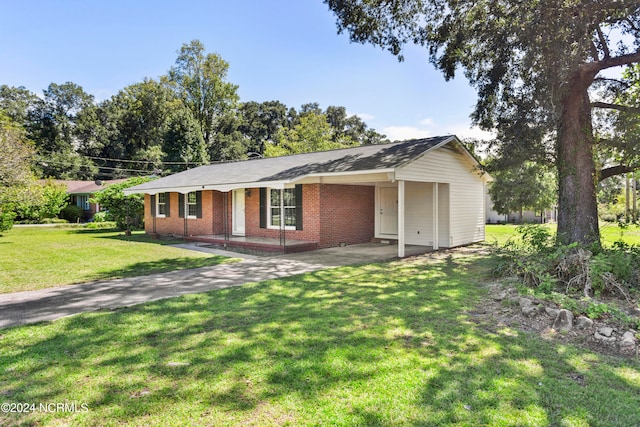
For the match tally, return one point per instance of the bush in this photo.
(123, 208)
(102, 216)
(6, 220)
(547, 267)
(72, 213)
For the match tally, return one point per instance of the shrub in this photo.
(72, 213)
(123, 208)
(101, 225)
(6, 220)
(102, 216)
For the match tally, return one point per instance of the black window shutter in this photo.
(263, 207)
(167, 204)
(181, 205)
(153, 205)
(298, 193)
(198, 204)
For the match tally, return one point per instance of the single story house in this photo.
(426, 192)
(81, 191)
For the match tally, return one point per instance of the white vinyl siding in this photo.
(418, 211)
(466, 192)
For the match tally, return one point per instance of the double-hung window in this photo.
(282, 210)
(161, 204)
(192, 205)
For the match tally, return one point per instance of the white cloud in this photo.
(400, 133)
(428, 127)
(363, 116)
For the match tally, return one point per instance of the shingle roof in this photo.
(286, 168)
(87, 187)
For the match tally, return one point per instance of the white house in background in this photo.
(531, 217)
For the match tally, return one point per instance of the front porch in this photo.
(254, 244)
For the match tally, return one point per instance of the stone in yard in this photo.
(500, 296)
(605, 331)
(530, 310)
(564, 321)
(628, 339)
(603, 338)
(524, 302)
(552, 312)
(583, 322)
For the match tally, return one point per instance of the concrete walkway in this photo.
(49, 304)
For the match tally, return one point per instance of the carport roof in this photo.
(287, 169)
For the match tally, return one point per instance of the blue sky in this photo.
(286, 50)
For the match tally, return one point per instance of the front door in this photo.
(238, 212)
(389, 210)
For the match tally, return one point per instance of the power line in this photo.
(60, 163)
(136, 161)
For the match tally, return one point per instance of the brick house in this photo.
(80, 193)
(427, 192)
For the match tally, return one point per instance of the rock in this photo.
(500, 296)
(583, 322)
(524, 302)
(530, 310)
(605, 331)
(564, 321)
(636, 311)
(514, 299)
(628, 339)
(552, 312)
(603, 338)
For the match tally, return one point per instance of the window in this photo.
(192, 205)
(289, 202)
(161, 204)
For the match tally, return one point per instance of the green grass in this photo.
(43, 257)
(377, 345)
(608, 231)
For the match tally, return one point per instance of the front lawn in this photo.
(383, 344)
(610, 233)
(42, 257)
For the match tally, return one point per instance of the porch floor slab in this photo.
(254, 244)
(355, 254)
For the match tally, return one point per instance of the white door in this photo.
(238, 212)
(388, 210)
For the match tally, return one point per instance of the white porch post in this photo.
(436, 237)
(400, 219)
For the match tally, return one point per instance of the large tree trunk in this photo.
(577, 207)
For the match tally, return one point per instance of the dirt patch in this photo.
(502, 307)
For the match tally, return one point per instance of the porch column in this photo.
(436, 237)
(400, 219)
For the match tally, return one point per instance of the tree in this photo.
(532, 63)
(126, 210)
(260, 122)
(199, 79)
(313, 133)
(16, 153)
(45, 200)
(528, 186)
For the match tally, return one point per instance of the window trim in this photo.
(158, 214)
(188, 204)
(269, 206)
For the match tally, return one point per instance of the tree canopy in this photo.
(534, 66)
(188, 117)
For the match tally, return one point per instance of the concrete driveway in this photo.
(50, 304)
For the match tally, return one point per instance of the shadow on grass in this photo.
(384, 344)
(159, 266)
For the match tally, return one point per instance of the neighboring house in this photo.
(528, 217)
(81, 191)
(426, 192)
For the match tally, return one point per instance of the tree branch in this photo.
(603, 42)
(614, 170)
(616, 61)
(608, 106)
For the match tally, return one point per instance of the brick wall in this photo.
(310, 210)
(332, 214)
(346, 214)
(174, 225)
